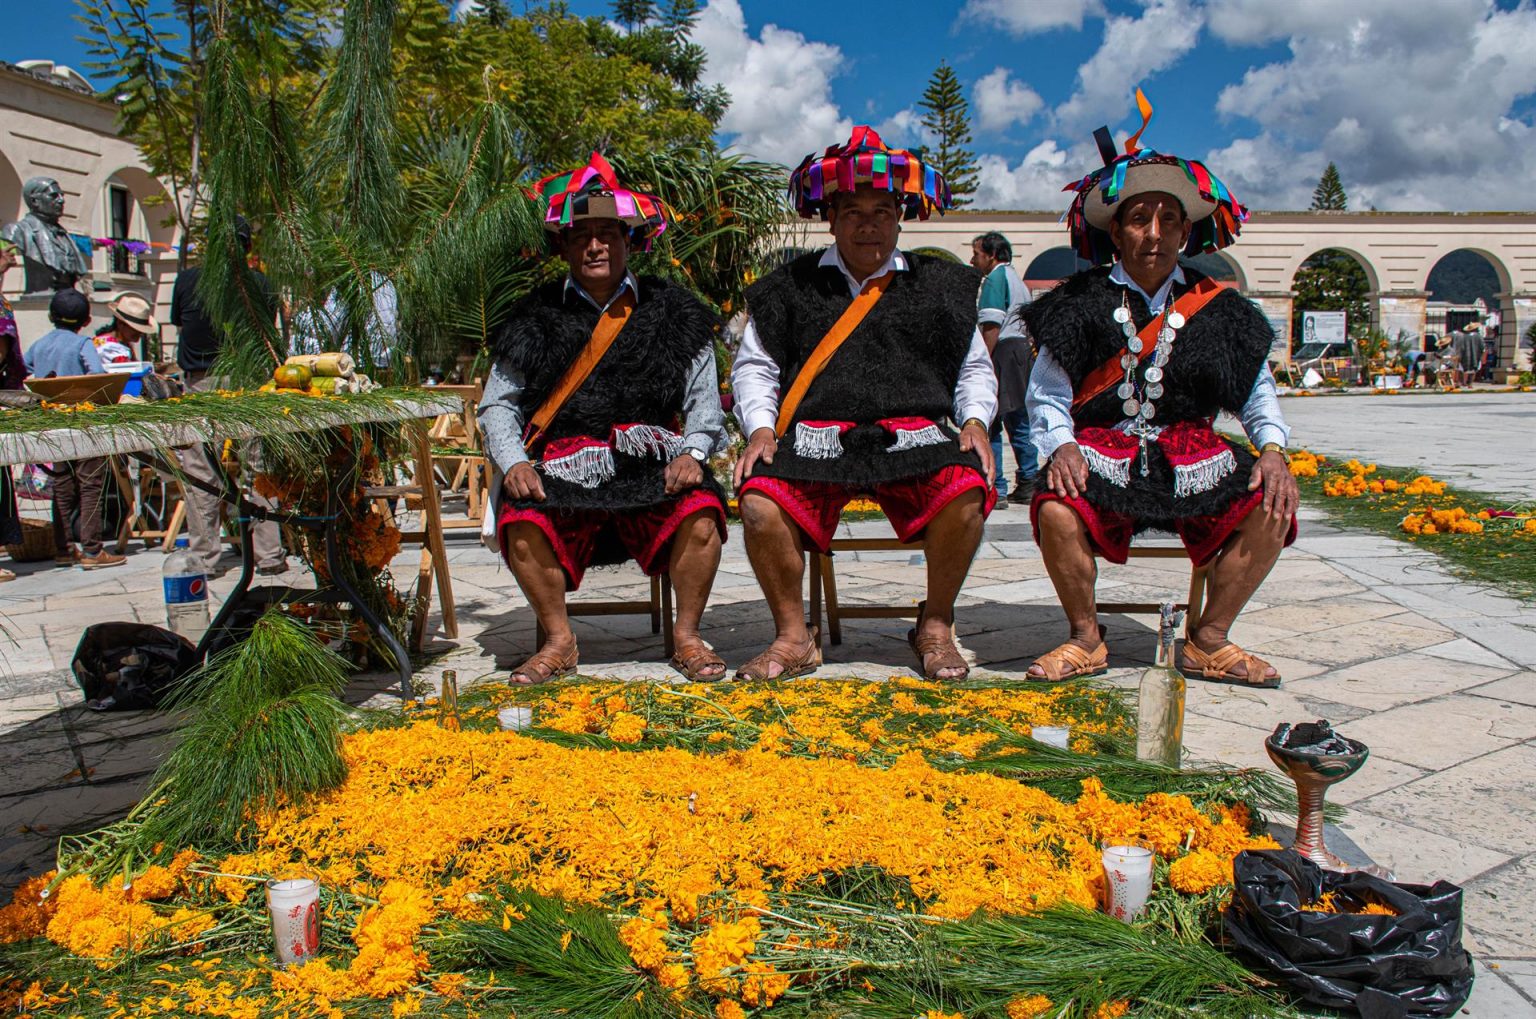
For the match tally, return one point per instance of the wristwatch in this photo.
(698, 454)
(1275, 447)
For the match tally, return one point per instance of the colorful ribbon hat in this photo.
(593, 192)
(866, 161)
(1216, 214)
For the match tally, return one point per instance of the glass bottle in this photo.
(448, 703)
(1160, 702)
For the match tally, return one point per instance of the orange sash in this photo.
(846, 323)
(1109, 374)
(603, 335)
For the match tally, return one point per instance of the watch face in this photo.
(697, 454)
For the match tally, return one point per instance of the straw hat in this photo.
(594, 192)
(866, 161)
(135, 312)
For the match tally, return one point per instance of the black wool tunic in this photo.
(903, 360)
(642, 379)
(1216, 359)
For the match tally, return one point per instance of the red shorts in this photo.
(817, 506)
(646, 534)
(1110, 533)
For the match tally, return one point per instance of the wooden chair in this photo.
(823, 577)
(422, 490)
(658, 606)
(466, 469)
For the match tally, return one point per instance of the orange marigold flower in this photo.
(1032, 1007)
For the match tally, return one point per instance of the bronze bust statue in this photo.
(51, 260)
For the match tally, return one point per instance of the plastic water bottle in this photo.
(186, 593)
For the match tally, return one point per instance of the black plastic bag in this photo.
(1381, 967)
(129, 666)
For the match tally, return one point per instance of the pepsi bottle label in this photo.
(186, 588)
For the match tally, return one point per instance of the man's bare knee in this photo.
(1057, 517)
(758, 512)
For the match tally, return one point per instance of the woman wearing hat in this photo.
(602, 410)
(13, 369)
(132, 322)
(1136, 359)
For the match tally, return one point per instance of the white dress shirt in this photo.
(755, 377)
(1049, 397)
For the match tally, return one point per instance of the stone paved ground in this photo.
(1436, 676)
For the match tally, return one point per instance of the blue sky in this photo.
(1424, 104)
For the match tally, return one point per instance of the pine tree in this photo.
(948, 116)
(1329, 194)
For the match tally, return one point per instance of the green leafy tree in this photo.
(1329, 194)
(1332, 280)
(947, 115)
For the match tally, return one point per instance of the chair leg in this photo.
(813, 574)
(668, 644)
(1196, 599)
(829, 584)
(423, 600)
(656, 599)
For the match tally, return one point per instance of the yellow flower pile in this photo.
(1445, 521)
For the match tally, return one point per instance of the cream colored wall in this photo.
(46, 131)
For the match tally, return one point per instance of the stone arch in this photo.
(1053, 264)
(11, 207)
(1373, 275)
(1220, 266)
(144, 187)
(1496, 262)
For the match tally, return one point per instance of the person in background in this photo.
(197, 345)
(1000, 315)
(127, 335)
(13, 368)
(77, 484)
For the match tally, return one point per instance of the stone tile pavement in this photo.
(1436, 676)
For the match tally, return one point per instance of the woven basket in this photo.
(36, 541)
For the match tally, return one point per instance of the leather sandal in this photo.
(1070, 661)
(944, 653)
(693, 656)
(544, 665)
(790, 663)
(1219, 665)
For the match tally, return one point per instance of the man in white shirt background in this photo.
(1000, 315)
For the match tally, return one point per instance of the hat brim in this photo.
(1141, 179)
(600, 206)
(148, 324)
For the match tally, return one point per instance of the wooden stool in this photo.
(658, 606)
(466, 467)
(1191, 606)
(434, 557)
(823, 577)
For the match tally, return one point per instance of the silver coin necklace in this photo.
(1139, 396)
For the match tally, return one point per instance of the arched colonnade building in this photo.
(52, 125)
(1397, 250)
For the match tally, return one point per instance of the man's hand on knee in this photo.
(974, 439)
(683, 473)
(760, 446)
(522, 482)
(1067, 472)
(1273, 474)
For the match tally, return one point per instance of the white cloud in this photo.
(1002, 102)
(904, 130)
(1026, 17)
(1133, 50)
(1413, 102)
(1036, 182)
(780, 85)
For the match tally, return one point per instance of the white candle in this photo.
(516, 718)
(1127, 881)
(295, 909)
(1052, 735)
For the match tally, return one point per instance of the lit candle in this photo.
(1052, 735)
(295, 909)
(516, 718)
(1127, 881)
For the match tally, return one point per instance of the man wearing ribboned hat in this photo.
(602, 410)
(1136, 358)
(856, 366)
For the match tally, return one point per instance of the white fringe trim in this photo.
(1116, 472)
(818, 443)
(587, 467)
(1192, 479)
(648, 440)
(914, 438)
